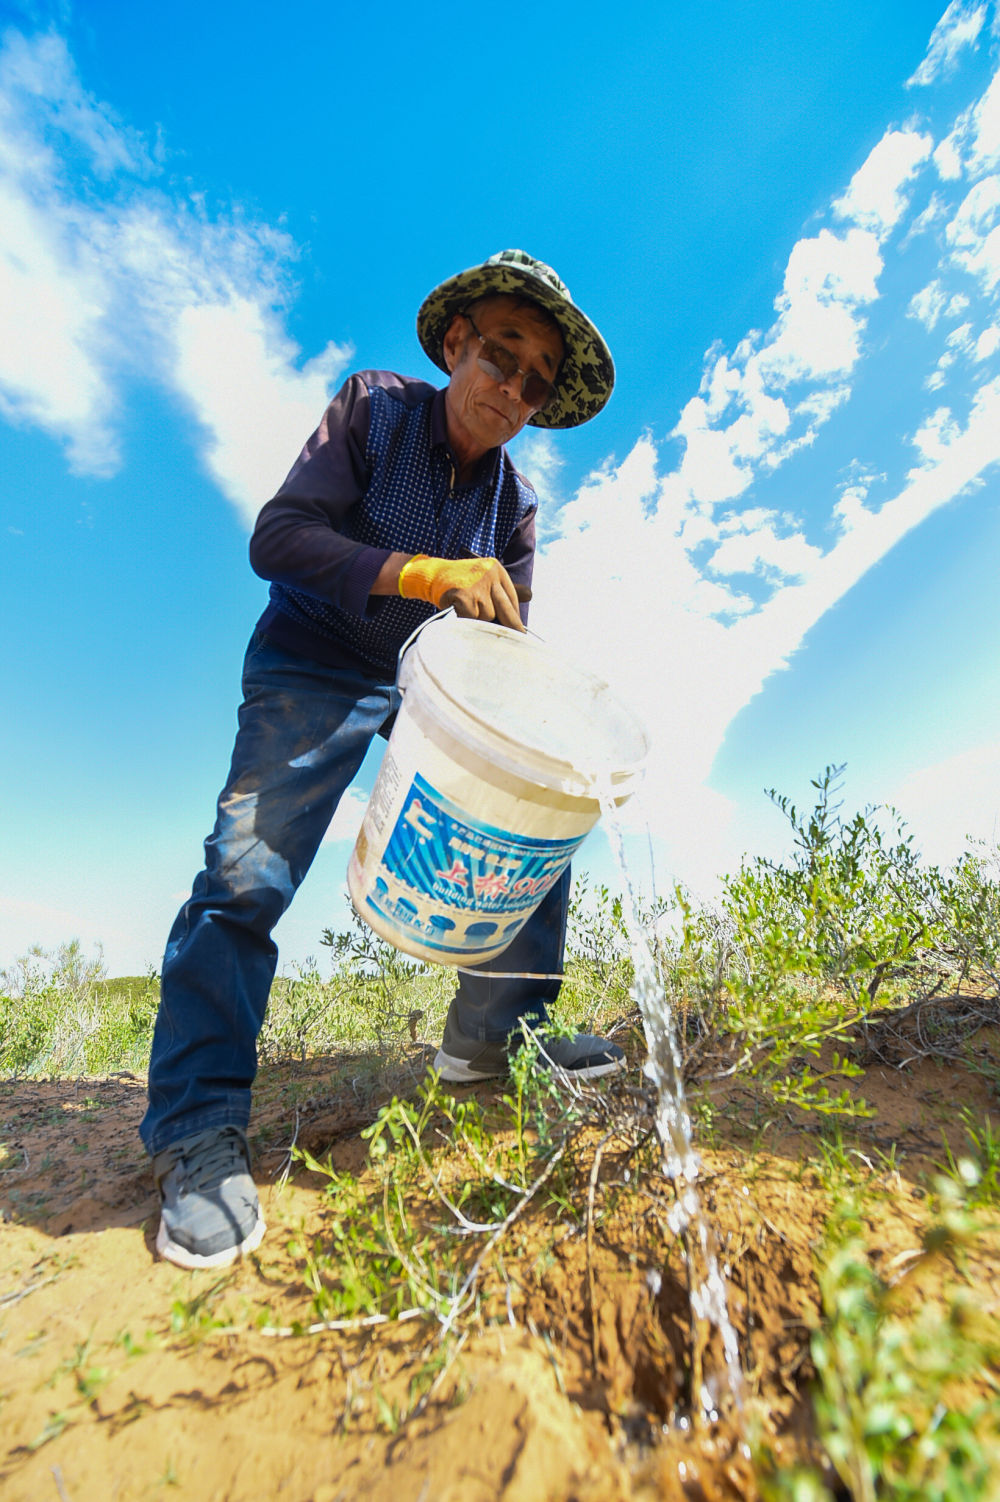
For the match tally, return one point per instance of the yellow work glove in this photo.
(477, 588)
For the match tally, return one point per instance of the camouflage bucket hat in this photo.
(587, 373)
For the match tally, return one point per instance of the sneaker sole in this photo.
(460, 1072)
(590, 1072)
(457, 1071)
(180, 1256)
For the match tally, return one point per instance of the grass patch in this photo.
(545, 1207)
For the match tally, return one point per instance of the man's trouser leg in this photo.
(490, 1007)
(303, 733)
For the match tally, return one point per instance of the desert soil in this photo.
(122, 1377)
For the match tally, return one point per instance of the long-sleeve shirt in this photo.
(378, 476)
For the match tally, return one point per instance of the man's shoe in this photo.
(463, 1061)
(210, 1214)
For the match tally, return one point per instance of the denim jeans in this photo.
(303, 732)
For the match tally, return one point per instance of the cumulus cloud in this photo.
(974, 232)
(958, 28)
(828, 279)
(988, 343)
(757, 548)
(347, 820)
(237, 369)
(953, 803)
(766, 400)
(198, 295)
(698, 587)
(973, 145)
(875, 198)
(928, 304)
(850, 510)
(54, 299)
(713, 653)
(536, 451)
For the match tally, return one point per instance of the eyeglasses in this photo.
(500, 364)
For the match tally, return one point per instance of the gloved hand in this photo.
(477, 588)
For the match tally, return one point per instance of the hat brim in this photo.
(587, 373)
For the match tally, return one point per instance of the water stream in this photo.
(681, 1163)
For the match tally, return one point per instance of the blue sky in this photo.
(780, 538)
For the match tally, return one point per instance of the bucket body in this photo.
(487, 787)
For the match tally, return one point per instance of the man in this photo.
(402, 502)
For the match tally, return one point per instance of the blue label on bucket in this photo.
(459, 885)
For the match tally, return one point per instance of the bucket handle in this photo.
(408, 643)
(439, 616)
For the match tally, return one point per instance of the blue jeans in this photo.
(303, 732)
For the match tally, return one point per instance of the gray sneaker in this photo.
(210, 1214)
(462, 1061)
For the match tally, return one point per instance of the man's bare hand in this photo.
(479, 589)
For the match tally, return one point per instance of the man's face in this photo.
(483, 412)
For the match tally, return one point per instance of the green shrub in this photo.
(796, 953)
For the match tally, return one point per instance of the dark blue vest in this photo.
(412, 505)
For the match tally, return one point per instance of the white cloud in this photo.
(41, 96)
(850, 511)
(953, 802)
(988, 343)
(959, 27)
(696, 592)
(973, 146)
(985, 144)
(53, 301)
(757, 548)
(538, 451)
(818, 331)
(974, 232)
(95, 286)
(875, 198)
(959, 342)
(676, 640)
(347, 820)
(948, 158)
(236, 367)
(928, 217)
(928, 304)
(711, 469)
(742, 422)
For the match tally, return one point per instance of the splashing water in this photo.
(681, 1164)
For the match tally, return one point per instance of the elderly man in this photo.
(402, 502)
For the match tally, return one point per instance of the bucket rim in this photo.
(558, 772)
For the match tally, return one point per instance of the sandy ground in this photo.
(123, 1378)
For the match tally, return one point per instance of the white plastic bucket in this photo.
(486, 789)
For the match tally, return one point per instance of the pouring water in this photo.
(681, 1163)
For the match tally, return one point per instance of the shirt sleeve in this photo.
(296, 541)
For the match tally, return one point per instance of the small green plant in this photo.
(977, 1170)
(796, 953)
(59, 1013)
(968, 910)
(88, 1378)
(383, 974)
(599, 965)
(299, 1013)
(198, 1316)
(887, 1377)
(446, 1183)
